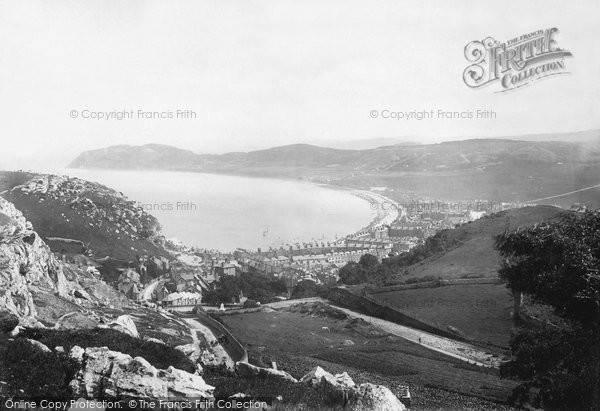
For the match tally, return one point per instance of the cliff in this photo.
(25, 261)
(29, 270)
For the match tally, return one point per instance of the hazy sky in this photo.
(260, 73)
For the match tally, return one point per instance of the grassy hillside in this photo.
(104, 221)
(468, 250)
(368, 355)
(479, 312)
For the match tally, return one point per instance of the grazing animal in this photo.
(326, 329)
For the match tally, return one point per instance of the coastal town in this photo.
(396, 228)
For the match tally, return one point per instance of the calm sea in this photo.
(226, 212)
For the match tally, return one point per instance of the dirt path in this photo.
(146, 293)
(456, 349)
(566, 194)
(210, 338)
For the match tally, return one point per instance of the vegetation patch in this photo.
(481, 312)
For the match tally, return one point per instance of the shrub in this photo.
(36, 372)
(8, 321)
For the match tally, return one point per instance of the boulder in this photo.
(39, 345)
(76, 354)
(192, 351)
(155, 340)
(373, 397)
(336, 387)
(125, 324)
(209, 359)
(16, 331)
(344, 380)
(319, 377)
(110, 374)
(247, 370)
(340, 389)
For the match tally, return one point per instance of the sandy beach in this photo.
(387, 210)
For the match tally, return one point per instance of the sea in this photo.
(224, 212)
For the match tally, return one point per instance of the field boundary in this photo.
(435, 284)
(364, 304)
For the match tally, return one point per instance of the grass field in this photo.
(482, 312)
(297, 342)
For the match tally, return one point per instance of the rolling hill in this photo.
(493, 169)
(468, 250)
(75, 216)
(453, 155)
(470, 302)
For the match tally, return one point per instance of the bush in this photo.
(8, 321)
(38, 373)
(308, 288)
(250, 304)
(424, 279)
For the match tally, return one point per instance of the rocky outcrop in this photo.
(373, 397)
(336, 387)
(25, 261)
(109, 374)
(79, 215)
(318, 377)
(192, 351)
(247, 370)
(125, 324)
(39, 345)
(340, 389)
(28, 266)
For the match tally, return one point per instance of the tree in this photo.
(352, 273)
(368, 262)
(308, 288)
(228, 288)
(211, 297)
(558, 263)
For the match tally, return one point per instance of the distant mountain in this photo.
(448, 155)
(497, 169)
(154, 156)
(367, 143)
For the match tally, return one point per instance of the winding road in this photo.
(146, 293)
(211, 340)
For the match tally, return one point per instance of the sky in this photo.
(259, 74)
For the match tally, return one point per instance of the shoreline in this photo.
(387, 210)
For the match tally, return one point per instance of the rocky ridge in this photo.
(28, 267)
(70, 212)
(25, 262)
